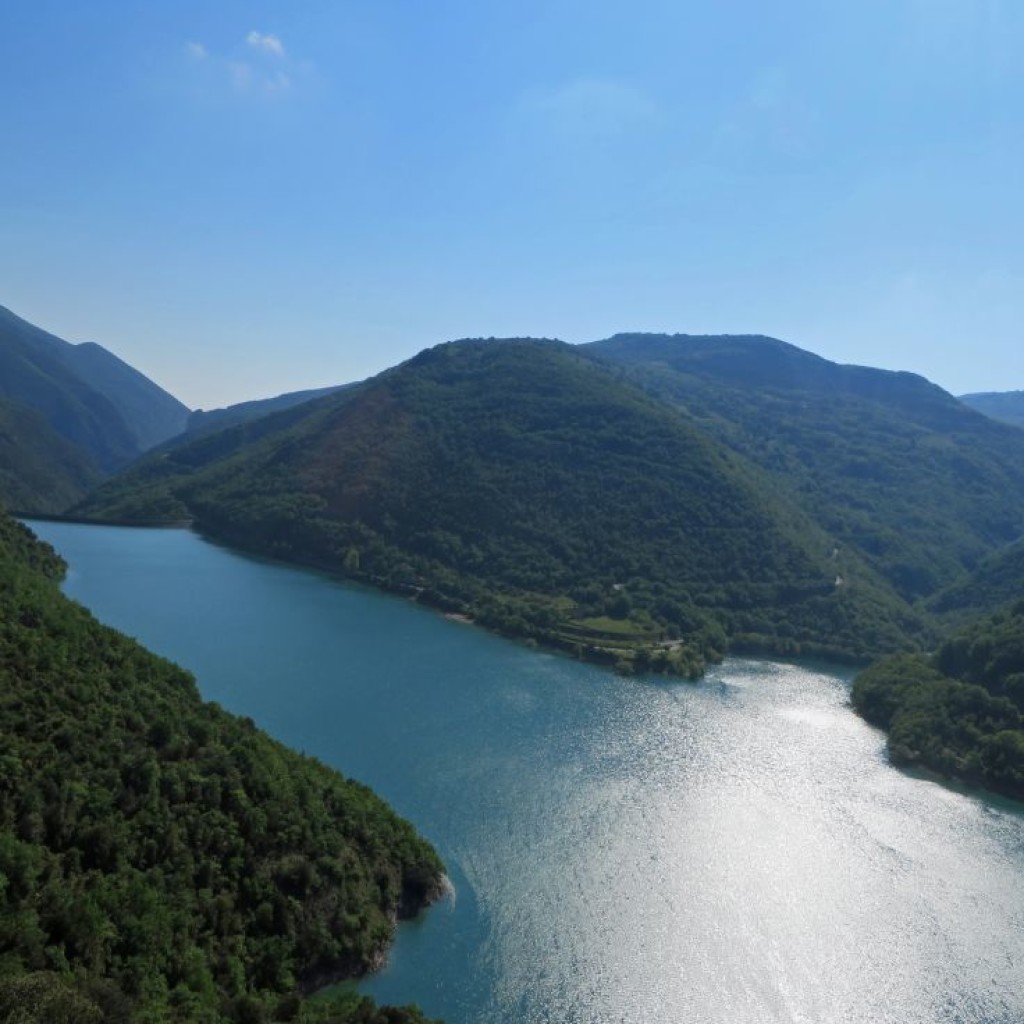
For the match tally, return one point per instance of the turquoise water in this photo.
(736, 850)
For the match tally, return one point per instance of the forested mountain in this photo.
(890, 465)
(1007, 406)
(206, 421)
(39, 469)
(160, 859)
(108, 411)
(959, 712)
(998, 580)
(524, 484)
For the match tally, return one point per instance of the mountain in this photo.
(39, 469)
(998, 580)
(151, 413)
(890, 465)
(959, 712)
(108, 411)
(161, 859)
(524, 484)
(207, 421)
(1007, 406)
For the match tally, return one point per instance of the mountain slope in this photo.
(159, 856)
(893, 467)
(70, 414)
(34, 374)
(1007, 406)
(151, 413)
(39, 469)
(522, 483)
(203, 421)
(997, 581)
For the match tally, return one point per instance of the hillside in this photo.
(1007, 406)
(997, 581)
(206, 421)
(39, 469)
(161, 859)
(109, 412)
(522, 484)
(959, 712)
(151, 413)
(890, 465)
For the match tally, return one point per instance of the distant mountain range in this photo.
(1007, 406)
(71, 414)
(208, 421)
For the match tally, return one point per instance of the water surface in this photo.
(736, 850)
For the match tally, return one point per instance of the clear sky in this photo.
(243, 198)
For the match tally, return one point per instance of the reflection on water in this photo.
(736, 850)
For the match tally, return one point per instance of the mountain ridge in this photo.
(99, 406)
(521, 481)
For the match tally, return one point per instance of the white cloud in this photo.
(258, 66)
(278, 82)
(267, 43)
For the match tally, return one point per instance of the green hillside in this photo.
(997, 581)
(959, 712)
(890, 465)
(104, 412)
(521, 483)
(160, 859)
(39, 470)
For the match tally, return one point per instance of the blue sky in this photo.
(243, 198)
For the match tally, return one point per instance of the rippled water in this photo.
(736, 850)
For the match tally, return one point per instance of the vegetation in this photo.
(68, 414)
(959, 712)
(39, 469)
(524, 485)
(891, 466)
(160, 859)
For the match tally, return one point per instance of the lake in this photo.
(736, 850)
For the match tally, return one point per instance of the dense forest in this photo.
(39, 469)
(162, 860)
(893, 467)
(523, 484)
(960, 711)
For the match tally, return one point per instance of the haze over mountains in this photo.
(1007, 406)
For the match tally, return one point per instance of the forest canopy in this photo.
(161, 859)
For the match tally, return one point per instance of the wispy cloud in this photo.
(258, 65)
(592, 108)
(771, 120)
(265, 42)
